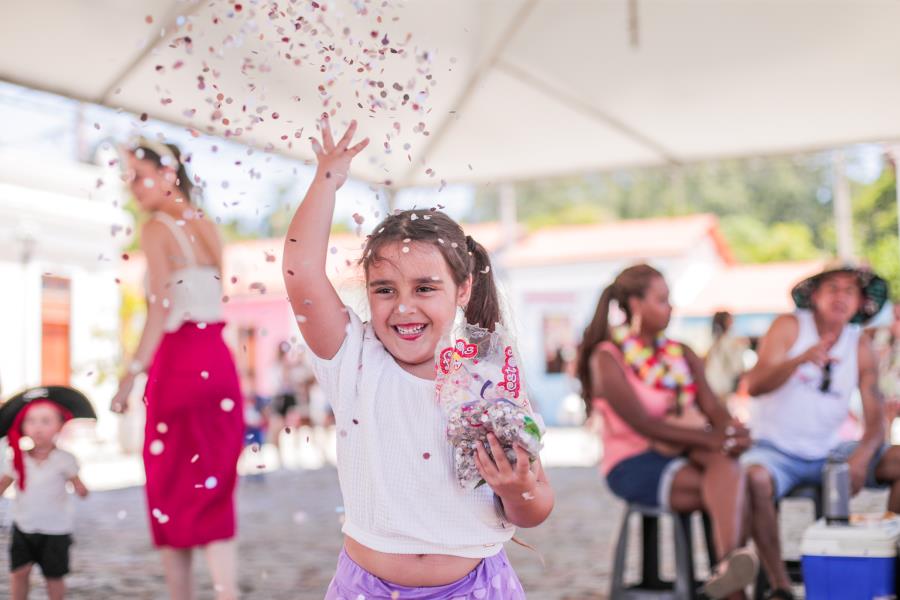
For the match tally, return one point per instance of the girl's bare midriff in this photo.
(410, 570)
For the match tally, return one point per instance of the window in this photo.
(559, 343)
(55, 331)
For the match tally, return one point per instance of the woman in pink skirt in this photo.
(194, 427)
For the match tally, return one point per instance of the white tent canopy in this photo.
(506, 89)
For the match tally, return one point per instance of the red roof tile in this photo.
(639, 238)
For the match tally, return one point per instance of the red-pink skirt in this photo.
(193, 437)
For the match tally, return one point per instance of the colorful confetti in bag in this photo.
(479, 387)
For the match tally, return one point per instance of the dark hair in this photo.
(182, 180)
(630, 283)
(720, 323)
(464, 256)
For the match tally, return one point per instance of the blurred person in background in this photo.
(291, 406)
(887, 344)
(811, 363)
(195, 425)
(667, 440)
(725, 360)
(256, 419)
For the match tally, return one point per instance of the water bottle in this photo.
(836, 492)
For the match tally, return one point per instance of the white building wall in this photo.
(574, 289)
(16, 359)
(54, 219)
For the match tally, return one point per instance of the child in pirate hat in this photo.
(42, 513)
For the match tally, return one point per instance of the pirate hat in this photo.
(68, 399)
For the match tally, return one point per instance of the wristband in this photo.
(135, 367)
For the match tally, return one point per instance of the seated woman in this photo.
(667, 441)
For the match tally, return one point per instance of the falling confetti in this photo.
(160, 516)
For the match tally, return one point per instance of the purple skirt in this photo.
(492, 579)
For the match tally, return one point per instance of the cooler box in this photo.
(851, 562)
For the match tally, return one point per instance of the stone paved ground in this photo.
(290, 537)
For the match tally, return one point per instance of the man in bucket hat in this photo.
(810, 364)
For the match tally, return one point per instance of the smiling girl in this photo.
(410, 530)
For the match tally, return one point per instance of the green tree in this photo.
(753, 241)
(875, 226)
(771, 208)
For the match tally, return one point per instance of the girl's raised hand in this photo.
(334, 159)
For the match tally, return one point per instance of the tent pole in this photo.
(842, 215)
(892, 153)
(508, 214)
(390, 199)
(893, 156)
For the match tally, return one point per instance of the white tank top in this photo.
(194, 292)
(798, 417)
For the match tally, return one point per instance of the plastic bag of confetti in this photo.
(479, 387)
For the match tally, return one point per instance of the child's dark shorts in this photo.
(50, 552)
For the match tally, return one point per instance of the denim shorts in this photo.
(645, 479)
(789, 471)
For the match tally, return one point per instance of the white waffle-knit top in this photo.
(395, 464)
(194, 292)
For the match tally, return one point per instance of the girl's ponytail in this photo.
(632, 282)
(597, 331)
(484, 304)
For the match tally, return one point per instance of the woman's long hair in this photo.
(144, 151)
(630, 283)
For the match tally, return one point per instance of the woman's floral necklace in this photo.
(663, 367)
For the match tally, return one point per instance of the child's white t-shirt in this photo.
(44, 505)
(395, 463)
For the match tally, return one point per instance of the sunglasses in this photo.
(826, 378)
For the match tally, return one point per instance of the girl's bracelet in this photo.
(136, 367)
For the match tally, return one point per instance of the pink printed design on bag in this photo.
(451, 358)
(511, 382)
